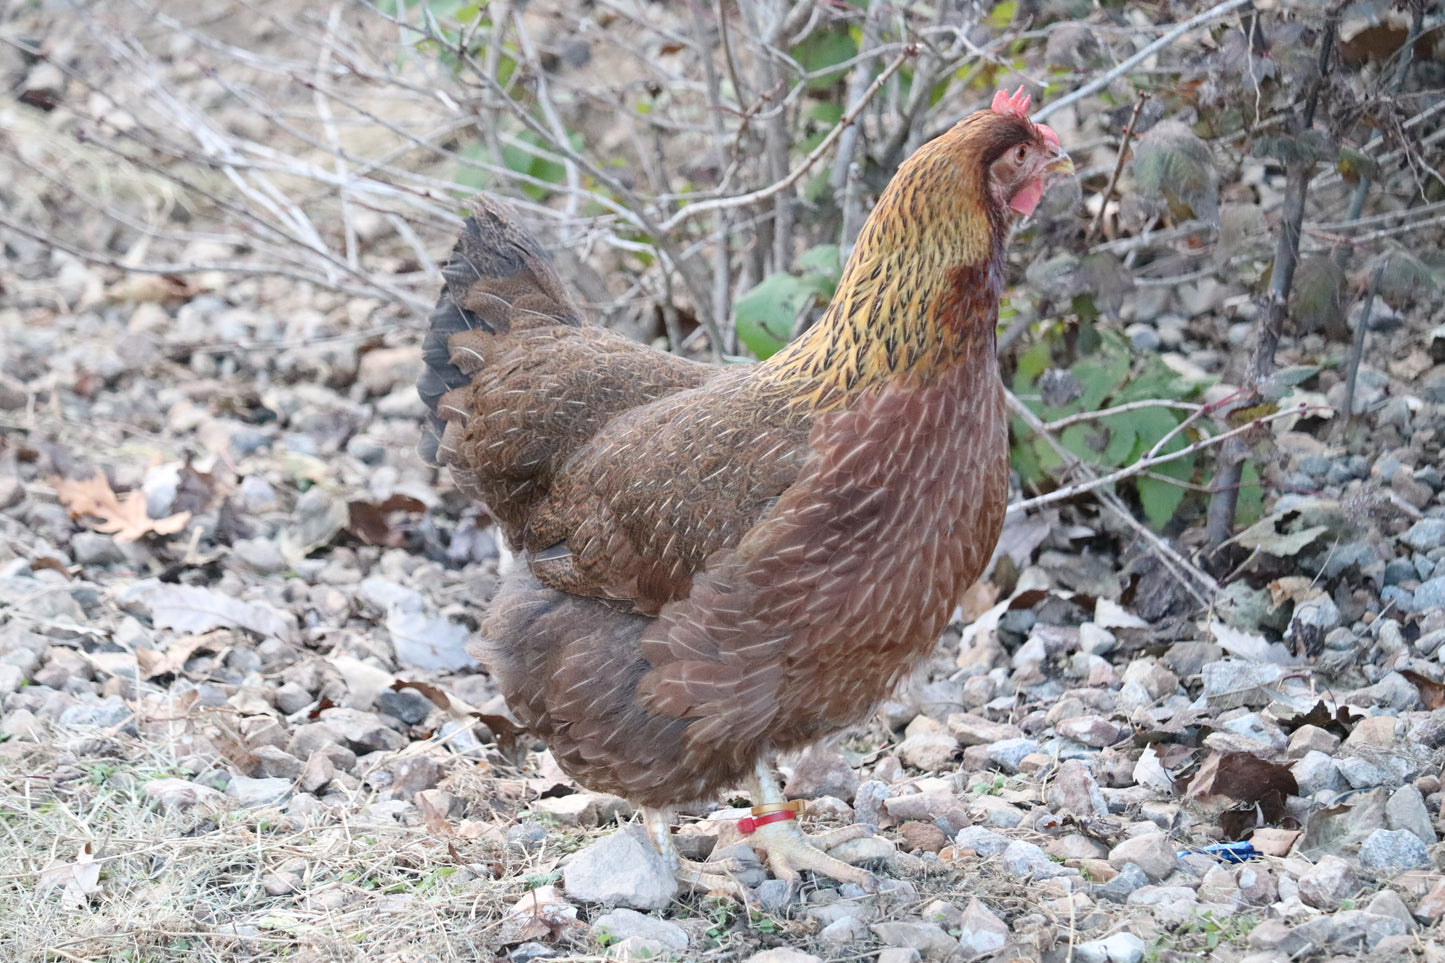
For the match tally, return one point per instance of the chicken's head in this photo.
(1021, 153)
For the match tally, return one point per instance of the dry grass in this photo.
(190, 883)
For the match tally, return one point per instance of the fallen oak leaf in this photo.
(1341, 722)
(123, 516)
(370, 521)
(1432, 693)
(1262, 787)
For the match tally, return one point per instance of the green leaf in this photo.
(1003, 14)
(1025, 457)
(1250, 506)
(765, 315)
(825, 112)
(1312, 146)
(1171, 162)
(1032, 363)
(1354, 165)
(1160, 500)
(825, 49)
(1404, 276)
(1123, 434)
(1315, 299)
(1100, 375)
(1158, 496)
(825, 260)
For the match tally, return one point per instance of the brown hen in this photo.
(723, 562)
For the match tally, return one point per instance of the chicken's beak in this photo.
(1059, 163)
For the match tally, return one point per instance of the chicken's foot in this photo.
(774, 829)
(711, 877)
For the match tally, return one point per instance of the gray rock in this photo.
(261, 554)
(1027, 861)
(1231, 683)
(845, 929)
(980, 931)
(1171, 904)
(1278, 938)
(258, 792)
(1430, 595)
(408, 705)
(623, 923)
(1008, 753)
(868, 800)
(1329, 882)
(783, 954)
(93, 548)
(111, 711)
(773, 895)
(1121, 887)
(1399, 598)
(1361, 773)
(898, 954)
(931, 942)
(1398, 570)
(1425, 534)
(292, 697)
(277, 763)
(1406, 810)
(621, 869)
(983, 841)
(429, 643)
(1118, 948)
(1393, 850)
(1317, 772)
(362, 731)
(1387, 902)
(1353, 927)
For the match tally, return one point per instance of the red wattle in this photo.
(1027, 197)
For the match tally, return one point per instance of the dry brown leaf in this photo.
(152, 287)
(173, 660)
(1273, 842)
(1432, 693)
(979, 598)
(78, 880)
(433, 813)
(123, 516)
(543, 913)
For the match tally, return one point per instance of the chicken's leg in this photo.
(711, 877)
(789, 850)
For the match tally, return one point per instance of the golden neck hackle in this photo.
(920, 293)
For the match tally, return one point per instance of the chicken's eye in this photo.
(1021, 154)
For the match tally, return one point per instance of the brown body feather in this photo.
(722, 561)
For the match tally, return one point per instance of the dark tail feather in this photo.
(498, 277)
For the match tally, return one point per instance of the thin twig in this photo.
(1099, 83)
(1151, 461)
(1098, 224)
(1083, 416)
(743, 200)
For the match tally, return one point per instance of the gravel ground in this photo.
(238, 720)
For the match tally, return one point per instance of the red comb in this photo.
(1018, 104)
